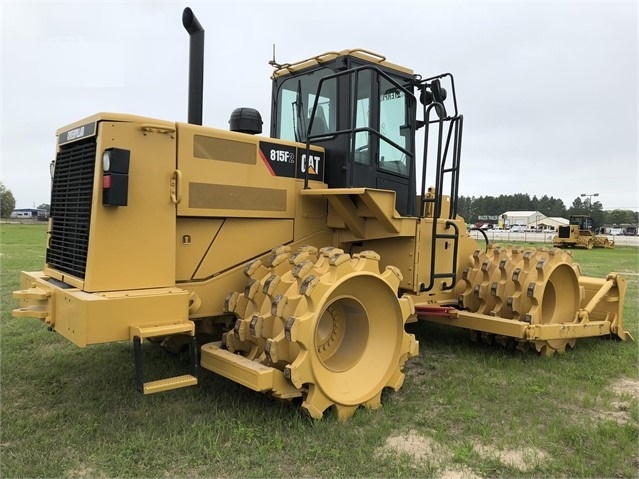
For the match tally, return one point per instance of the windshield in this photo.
(295, 101)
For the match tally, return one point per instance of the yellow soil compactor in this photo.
(291, 263)
(579, 234)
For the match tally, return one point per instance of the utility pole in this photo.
(589, 195)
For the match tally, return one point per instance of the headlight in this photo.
(106, 161)
(115, 179)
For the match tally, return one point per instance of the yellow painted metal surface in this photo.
(93, 318)
(224, 175)
(251, 374)
(160, 329)
(176, 382)
(367, 55)
(240, 239)
(133, 247)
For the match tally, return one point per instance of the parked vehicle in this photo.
(618, 231)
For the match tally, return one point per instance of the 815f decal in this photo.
(292, 162)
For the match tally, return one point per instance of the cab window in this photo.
(295, 101)
(363, 139)
(393, 125)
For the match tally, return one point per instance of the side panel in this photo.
(133, 246)
(230, 174)
(210, 246)
(212, 291)
(194, 238)
(400, 252)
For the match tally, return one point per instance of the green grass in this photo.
(72, 412)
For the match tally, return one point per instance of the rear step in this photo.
(139, 333)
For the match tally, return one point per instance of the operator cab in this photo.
(582, 221)
(361, 109)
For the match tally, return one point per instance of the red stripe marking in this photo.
(266, 162)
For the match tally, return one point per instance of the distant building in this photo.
(29, 213)
(531, 220)
(555, 222)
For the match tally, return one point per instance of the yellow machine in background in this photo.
(294, 260)
(579, 234)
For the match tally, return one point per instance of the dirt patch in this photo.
(522, 459)
(419, 447)
(627, 387)
(620, 416)
(626, 391)
(84, 471)
(464, 473)
(425, 449)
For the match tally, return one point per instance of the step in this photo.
(167, 384)
(153, 330)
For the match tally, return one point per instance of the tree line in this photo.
(471, 208)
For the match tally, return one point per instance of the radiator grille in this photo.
(71, 196)
(564, 231)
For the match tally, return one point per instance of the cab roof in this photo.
(360, 53)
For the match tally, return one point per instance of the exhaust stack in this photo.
(196, 65)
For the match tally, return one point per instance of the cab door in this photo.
(384, 139)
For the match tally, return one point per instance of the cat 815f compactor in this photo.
(294, 260)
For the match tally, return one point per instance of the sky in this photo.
(548, 89)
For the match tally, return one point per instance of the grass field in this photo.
(466, 409)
